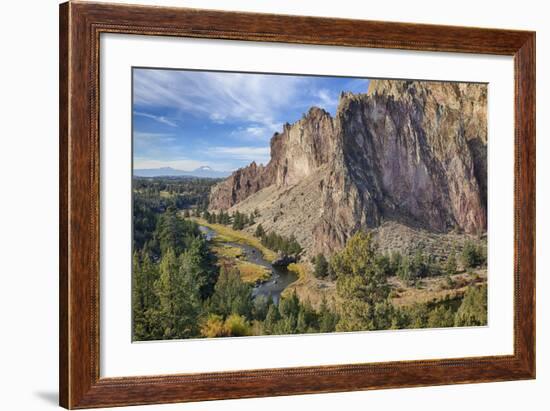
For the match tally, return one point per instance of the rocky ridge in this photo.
(408, 152)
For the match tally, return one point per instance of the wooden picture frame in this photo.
(80, 27)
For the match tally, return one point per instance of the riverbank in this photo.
(249, 272)
(252, 259)
(227, 234)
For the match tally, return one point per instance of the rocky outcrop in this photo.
(413, 152)
(295, 154)
(239, 185)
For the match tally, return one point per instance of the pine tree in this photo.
(321, 266)
(271, 320)
(231, 295)
(178, 290)
(138, 300)
(360, 285)
(165, 289)
(450, 265)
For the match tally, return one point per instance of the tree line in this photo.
(416, 266)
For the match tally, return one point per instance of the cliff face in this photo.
(296, 153)
(413, 152)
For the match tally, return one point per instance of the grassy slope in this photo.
(428, 289)
(434, 288)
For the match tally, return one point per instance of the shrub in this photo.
(236, 326)
(395, 261)
(473, 256)
(383, 263)
(213, 327)
(259, 231)
(441, 317)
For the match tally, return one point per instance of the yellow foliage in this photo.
(213, 327)
(234, 326)
(237, 326)
(299, 269)
(251, 272)
(227, 251)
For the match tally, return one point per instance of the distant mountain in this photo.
(204, 172)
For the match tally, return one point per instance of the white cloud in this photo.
(160, 119)
(326, 100)
(252, 98)
(153, 137)
(256, 132)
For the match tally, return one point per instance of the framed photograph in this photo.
(259, 205)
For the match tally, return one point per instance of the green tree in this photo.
(239, 221)
(144, 300)
(198, 259)
(289, 306)
(237, 326)
(271, 320)
(178, 289)
(418, 314)
(450, 264)
(231, 295)
(473, 310)
(321, 266)
(138, 299)
(261, 306)
(440, 317)
(395, 262)
(327, 318)
(473, 256)
(384, 264)
(405, 269)
(360, 285)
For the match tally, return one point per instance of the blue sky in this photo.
(188, 119)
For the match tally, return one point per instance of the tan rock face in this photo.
(413, 152)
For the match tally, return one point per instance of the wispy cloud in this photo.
(144, 136)
(221, 97)
(258, 154)
(160, 119)
(327, 99)
(255, 132)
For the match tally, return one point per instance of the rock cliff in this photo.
(410, 152)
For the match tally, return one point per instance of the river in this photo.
(280, 276)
